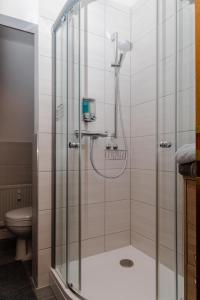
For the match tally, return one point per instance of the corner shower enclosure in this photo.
(124, 102)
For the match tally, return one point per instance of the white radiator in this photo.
(14, 196)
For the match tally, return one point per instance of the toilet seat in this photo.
(19, 217)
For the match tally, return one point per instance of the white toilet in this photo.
(19, 222)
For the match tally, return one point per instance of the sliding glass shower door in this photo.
(67, 148)
(175, 125)
(175, 128)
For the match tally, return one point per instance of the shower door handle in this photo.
(165, 144)
(73, 145)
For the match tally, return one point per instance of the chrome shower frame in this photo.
(70, 4)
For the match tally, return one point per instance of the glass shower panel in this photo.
(185, 109)
(176, 127)
(74, 155)
(167, 144)
(61, 145)
(67, 138)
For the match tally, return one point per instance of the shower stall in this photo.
(124, 103)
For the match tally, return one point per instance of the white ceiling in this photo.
(126, 2)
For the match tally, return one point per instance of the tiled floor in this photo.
(45, 294)
(7, 251)
(15, 284)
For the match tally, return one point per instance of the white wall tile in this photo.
(117, 21)
(44, 262)
(45, 78)
(186, 69)
(186, 110)
(143, 152)
(44, 151)
(93, 51)
(144, 86)
(167, 30)
(143, 22)
(143, 186)
(93, 219)
(98, 155)
(61, 228)
(117, 240)
(144, 244)
(44, 190)
(61, 189)
(93, 246)
(44, 225)
(26, 11)
(45, 37)
(143, 219)
(166, 188)
(95, 187)
(167, 114)
(51, 9)
(61, 154)
(167, 228)
(167, 9)
(167, 76)
(73, 188)
(143, 119)
(93, 83)
(117, 189)
(144, 54)
(186, 25)
(45, 114)
(125, 88)
(93, 18)
(117, 216)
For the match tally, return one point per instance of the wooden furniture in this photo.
(190, 239)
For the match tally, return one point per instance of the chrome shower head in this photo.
(125, 46)
(121, 47)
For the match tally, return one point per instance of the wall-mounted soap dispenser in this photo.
(89, 110)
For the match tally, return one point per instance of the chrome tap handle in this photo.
(165, 144)
(73, 145)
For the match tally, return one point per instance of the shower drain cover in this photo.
(126, 263)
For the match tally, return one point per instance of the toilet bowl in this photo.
(19, 222)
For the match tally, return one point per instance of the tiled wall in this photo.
(23, 10)
(15, 163)
(143, 126)
(107, 201)
(143, 122)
